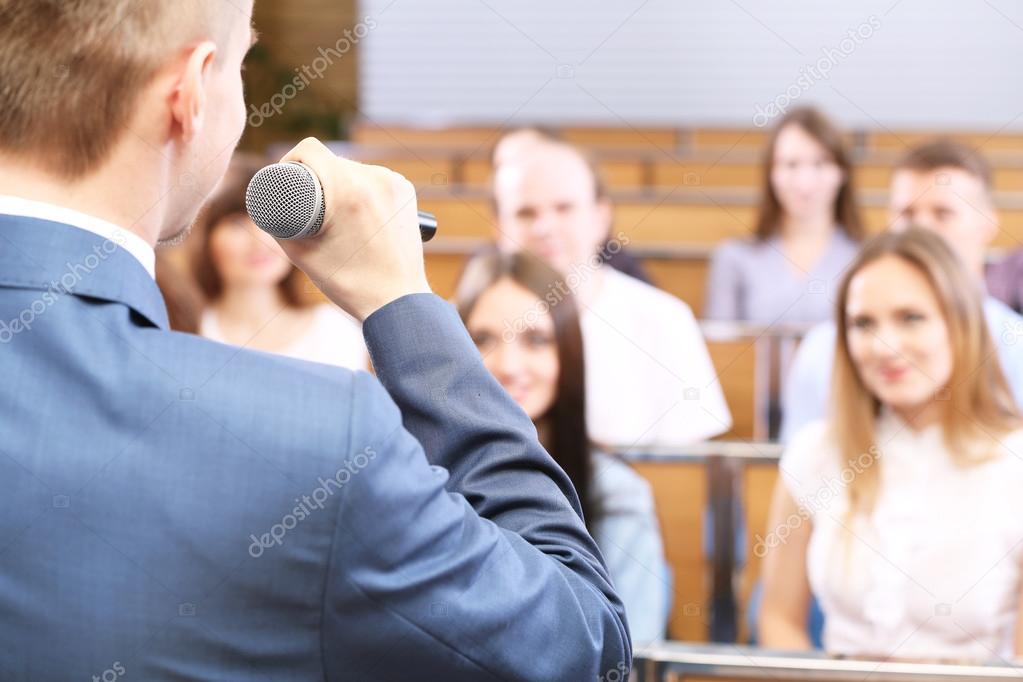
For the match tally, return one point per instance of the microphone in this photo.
(285, 200)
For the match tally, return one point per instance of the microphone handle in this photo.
(427, 225)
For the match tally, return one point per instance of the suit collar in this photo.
(51, 256)
(133, 243)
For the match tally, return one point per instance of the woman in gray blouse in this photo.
(808, 229)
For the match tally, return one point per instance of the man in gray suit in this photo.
(173, 508)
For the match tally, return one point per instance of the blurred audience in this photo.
(511, 146)
(807, 231)
(181, 295)
(515, 141)
(902, 511)
(253, 290)
(650, 378)
(540, 363)
(943, 186)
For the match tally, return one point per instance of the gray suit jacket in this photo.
(177, 509)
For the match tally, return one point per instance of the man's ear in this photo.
(188, 103)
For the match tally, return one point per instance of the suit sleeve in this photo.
(475, 547)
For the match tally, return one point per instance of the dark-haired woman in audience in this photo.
(808, 229)
(529, 337)
(254, 292)
(180, 294)
(902, 512)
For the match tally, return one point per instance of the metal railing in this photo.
(678, 661)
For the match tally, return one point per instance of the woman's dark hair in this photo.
(182, 296)
(563, 428)
(820, 128)
(227, 201)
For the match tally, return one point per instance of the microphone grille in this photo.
(286, 201)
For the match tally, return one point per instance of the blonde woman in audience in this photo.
(902, 512)
(808, 229)
(946, 187)
(254, 292)
(533, 345)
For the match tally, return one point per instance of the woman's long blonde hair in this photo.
(978, 406)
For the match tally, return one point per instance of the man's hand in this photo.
(369, 251)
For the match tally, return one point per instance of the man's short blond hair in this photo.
(71, 71)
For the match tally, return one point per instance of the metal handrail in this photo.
(750, 451)
(653, 663)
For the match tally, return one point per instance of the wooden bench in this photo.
(607, 137)
(681, 482)
(680, 495)
(983, 142)
(647, 173)
(645, 167)
(669, 138)
(757, 483)
(690, 216)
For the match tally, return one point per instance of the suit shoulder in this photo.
(257, 370)
(281, 401)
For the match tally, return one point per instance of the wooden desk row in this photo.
(681, 216)
(674, 138)
(696, 491)
(650, 170)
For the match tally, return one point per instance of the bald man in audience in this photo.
(512, 143)
(650, 380)
(519, 140)
(943, 186)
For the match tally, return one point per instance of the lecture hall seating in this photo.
(677, 193)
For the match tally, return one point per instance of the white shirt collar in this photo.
(126, 239)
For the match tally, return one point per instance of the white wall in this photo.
(922, 63)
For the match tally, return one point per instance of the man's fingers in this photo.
(339, 177)
(311, 152)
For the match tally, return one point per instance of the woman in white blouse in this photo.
(253, 290)
(527, 329)
(903, 512)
